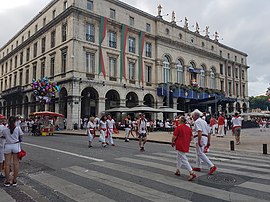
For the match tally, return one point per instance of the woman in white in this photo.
(90, 131)
(103, 130)
(12, 148)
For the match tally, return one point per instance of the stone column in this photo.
(101, 105)
(73, 112)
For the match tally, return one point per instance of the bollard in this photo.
(264, 148)
(232, 145)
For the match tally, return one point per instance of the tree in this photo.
(260, 102)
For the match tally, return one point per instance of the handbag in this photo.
(21, 154)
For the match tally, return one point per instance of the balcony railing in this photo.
(190, 92)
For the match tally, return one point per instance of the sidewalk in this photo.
(252, 140)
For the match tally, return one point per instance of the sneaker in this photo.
(177, 173)
(196, 169)
(126, 140)
(212, 169)
(142, 149)
(113, 145)
(104, 145)
(7, 184)
(90, 146)
(107, 143)
(192, 176)
(14, 184)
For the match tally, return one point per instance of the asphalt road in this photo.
(63, 168)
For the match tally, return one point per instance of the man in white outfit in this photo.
(201, 139)
(110, 127)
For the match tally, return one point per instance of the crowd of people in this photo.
(195, 126)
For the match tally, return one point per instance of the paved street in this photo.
(63, 168)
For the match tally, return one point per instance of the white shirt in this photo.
(14, 137)
(142, 126)
(103, 125)
(110, 123)
(90, 125)
(201, 125)
(237, 121)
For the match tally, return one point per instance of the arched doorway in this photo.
(244, 107)
(89, 104)
(4, 108)
(231, 107)
(112, 99)
(165, 101)
(26, 104)
(132, 100)
(33, 104)
(63, 101)
(181, 104)
(149, 100)
(237, 107)
(19, 102)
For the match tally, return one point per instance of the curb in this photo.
(120, 138)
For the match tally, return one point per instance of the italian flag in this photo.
(102, 34)
(123, 53)
(141, 48)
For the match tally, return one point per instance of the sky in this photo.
(241, 24)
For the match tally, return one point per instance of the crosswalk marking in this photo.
(223, 162)
(4, 196)
(256, 186)
(69, 189)
(233, 156)
(172, 181)
(130, 187)
(170, 168)
(64, 152)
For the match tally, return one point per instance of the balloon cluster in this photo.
(44, 90)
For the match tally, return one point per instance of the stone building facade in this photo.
(105, 53)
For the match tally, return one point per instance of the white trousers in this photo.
(220, 130)
(110, 136)
(127, 132)
(182, 161)
(201, 157)
(102, 135)
(90, 137)
(214, 129)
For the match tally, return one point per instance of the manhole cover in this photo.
(222, 179)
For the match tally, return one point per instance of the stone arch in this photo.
(89, 102)
(63, 96)
(149, 100)
(112, 99)
(32, 104)
(231, 107)
(5, 107)
(244, 107)
(192, 64)
(132, 99)
(181, 60)
(238, 107)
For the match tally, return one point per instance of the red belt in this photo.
(202, 135)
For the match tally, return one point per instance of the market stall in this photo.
(45, 122)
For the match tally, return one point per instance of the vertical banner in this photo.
(102, 34)
(123, 53)
(141, 48)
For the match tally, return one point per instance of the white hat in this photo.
(196, 111)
